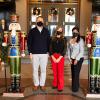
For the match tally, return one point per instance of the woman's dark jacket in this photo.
(58, 45)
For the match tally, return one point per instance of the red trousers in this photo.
(58, 72)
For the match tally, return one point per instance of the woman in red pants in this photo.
(57, 51)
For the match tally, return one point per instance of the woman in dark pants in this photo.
(76, 57)
(75, 70)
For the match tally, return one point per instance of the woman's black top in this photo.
(58, 45)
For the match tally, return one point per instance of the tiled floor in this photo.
(49, 94)
(27, 83)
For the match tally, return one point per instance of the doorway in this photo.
(55, 14)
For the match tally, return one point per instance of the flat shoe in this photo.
(60, 90)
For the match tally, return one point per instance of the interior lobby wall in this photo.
(85, 15)
(21, 10)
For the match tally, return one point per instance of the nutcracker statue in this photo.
(15, 39)
(93, 43)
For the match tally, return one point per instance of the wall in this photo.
(21, 10)
(85, 15)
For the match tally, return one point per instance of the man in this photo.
(38, 47)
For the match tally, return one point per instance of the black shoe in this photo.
(60, 90)
(74, 90)
(54, 87)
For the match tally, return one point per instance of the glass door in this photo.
(52, 16)
(70, 18)
(55, 14)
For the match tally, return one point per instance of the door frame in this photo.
(61, 7)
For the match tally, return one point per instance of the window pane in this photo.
(68, 30)
(69, 14)
(53, 15)
(35, 12)
(32, 26)
(52, 29)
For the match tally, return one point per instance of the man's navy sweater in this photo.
(38, 42)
